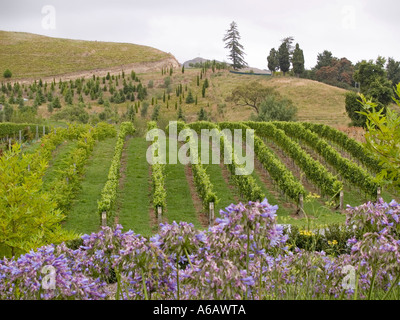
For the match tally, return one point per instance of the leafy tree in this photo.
(273, 60)
(393, 71)
(373, 81)
(28, 217)
(250, 94)
(383, 139)
(275, 108)
(298, 60)
(324, 59)
(284, 58)
(236, 54)
(353, 109)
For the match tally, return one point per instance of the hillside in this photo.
(316, 101)
(34, 56)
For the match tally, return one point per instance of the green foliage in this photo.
(284, 58)
(373, 81)
(276, 108)
(109, 193)
(202, 115)
(298, 60)
(324, 59)
(280, 174)
(250, 94)
(7, 74)
(73, 113)
(383, 139)
(393, 71)
(353, 147)
(314, 171)
(158, 176)
(156, 113)
(346, 168)
(236, 54)
(181, 116)
(189, 98)
(273, 60)
(352, 108)
(28, 217)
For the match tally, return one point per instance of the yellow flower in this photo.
(332, 243)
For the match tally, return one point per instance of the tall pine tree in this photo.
(231, 39)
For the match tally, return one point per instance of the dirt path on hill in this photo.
(138, 67)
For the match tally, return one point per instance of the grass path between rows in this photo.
(83, 216)
(134, 198)
(180, 205)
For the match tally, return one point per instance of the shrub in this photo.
(7, 73)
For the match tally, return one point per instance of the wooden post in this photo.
(379, 193)
(211, 214)
(159, 215)
(104, 218)
(9, 144)
(44, 130)
(301, 202)
(29, 167)
(37, 132)
(341, 200)
(20, 136)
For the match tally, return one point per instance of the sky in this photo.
(357, 29)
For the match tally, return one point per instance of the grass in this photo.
(49, 56)
(180, 205)
(57, 163)
(133, 198)
(83, 216)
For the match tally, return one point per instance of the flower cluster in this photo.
(243, 256)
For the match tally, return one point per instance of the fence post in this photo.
(44, 130)
(9, 144)
(379, 193)
(104, 218)
(159, 215)
(341, 200)
(20, 137)
(301, 202)
(37, 132)
(211, 214)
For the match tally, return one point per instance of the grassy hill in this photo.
(316, 101)
(33, 56)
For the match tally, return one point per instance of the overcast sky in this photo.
(353, 29)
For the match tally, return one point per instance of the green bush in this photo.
(7, 73)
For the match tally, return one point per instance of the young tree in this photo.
(28, 216)
(298, 61)
(273, 60)
(236, 54)
(383, 139)
(284, 58)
